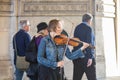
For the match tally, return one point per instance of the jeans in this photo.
(19, 74)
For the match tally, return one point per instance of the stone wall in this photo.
(11, 11)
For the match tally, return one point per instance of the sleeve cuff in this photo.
(81, 54)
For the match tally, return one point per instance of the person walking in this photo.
(42, 31)
(86, 65)
(21, 40)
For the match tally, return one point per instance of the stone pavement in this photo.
(69, 70)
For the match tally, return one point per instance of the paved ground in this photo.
(69, 70)
(110, 78)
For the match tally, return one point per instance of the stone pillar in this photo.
(100, 58)
(6, 9)
(106, 35)
(109, 38)
(118, 33)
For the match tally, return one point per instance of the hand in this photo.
(60, 64)
(89, 63)
(85, 45)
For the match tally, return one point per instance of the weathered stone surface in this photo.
(6, 70)
(6, 7)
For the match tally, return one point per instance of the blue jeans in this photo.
(19, 74)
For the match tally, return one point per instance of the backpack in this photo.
(31, 51)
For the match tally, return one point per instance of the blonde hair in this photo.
(53, 24)
(41, 32)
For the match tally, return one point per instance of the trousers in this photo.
(19, 74)
(80, 67)
(46, 73)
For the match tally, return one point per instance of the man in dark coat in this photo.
(85, 65)
(20, 42)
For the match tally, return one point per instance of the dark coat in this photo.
(84, 33)
(22, 39)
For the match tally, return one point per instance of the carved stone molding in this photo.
(106, 9)
(54, 8)
(5, 1)
(6, 7)
(99, 6)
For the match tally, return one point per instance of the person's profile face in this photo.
(46, 32)
(59, 28)
(90, 22)
(28, 26)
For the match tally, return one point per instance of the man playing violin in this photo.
(51, 56)
(87, 64)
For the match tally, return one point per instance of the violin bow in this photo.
(68, 39)
(64, 76)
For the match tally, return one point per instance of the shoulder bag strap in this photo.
(15, 45)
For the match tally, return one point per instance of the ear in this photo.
(89, 22)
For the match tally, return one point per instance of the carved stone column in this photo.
(118, 33)
(105, 13)
(6, 9)
(100, 58)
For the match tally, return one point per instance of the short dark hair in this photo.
(86, 17)
(23, 23)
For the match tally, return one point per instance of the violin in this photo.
(62, 40)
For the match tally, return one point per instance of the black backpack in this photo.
(31, 51)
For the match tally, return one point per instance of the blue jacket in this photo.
(84, 32)
(49, 53)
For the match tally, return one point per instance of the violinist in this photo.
(50, 54)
